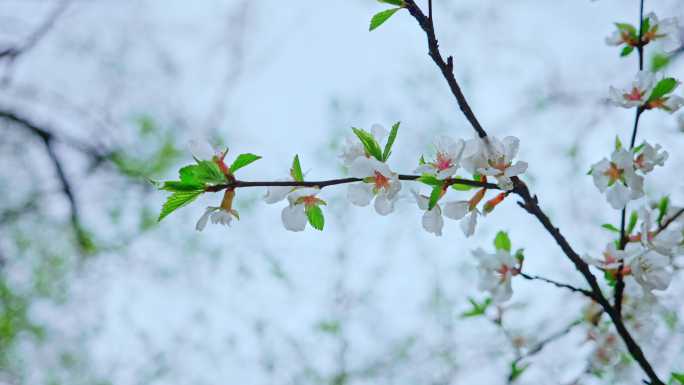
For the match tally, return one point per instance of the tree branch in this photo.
(588, 293)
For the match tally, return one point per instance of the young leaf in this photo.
(243, 160)
(369, 143)
(296, 170)
(176, 201)
(208, 172)
(390, 142)
(477, 309)
(421, 160)
(618, 143)
(173, 185)
(516, 371)
(398, 3)
(659, 61)
(610, 227)
(434, 196)
(461, 187)
(315, 215)
(632, 222)
(627, 27)
(429, 180)
(638, 148)
(662, 88)
(382, 17)
(626, 51)
(662, 208)
(187, 174)
(502, 241)
(646, 25)
(679, 377)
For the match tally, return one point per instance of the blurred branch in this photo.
(558, 284)
(48, 141)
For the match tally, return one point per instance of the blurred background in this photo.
(98, 96)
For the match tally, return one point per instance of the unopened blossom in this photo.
(651, 270)
(636, 94)
(219, 215)
(379, 183)
(432, 219)
(495, 273)
(649, 157)
(665, 31)
(352, 148)
(447, 158)
(616, 177)
(493, 157)
(294, 214)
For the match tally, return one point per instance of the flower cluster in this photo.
(621, 177)
(665, 31)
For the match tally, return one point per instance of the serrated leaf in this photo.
(502, 241)
(633, 218)
(626, 51)
(610, 227)
(659, 61)
(208, 172)
(315, 215)
(381, 17)
(296, 170)
(390, 141)
(398, 3)
(176, 201)
(434, 196)
(173, 185)
(243, 160)
(662, 88)
(429, 180)
(187, 174)
(369, 143)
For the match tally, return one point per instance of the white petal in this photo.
(456, 210)
(433, 222)
(424, 169)
(365, 167)
(468, 224)
(516, 169)
(383, 205)
(202, 222)
(276, 193)
(511, 145)
(422, 200)
(294, 217)
(360, 193)
(618, 195)
(379, 132)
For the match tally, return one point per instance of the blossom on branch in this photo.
(219, 215)
(493, 157)
(495, 273)
(636, 94)
(379, 183)
(303, 206)
(665, 31)
(617, 178)
(447, 158)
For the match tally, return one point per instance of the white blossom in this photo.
(495, 273)
(493, 157)
(666, 31)
(649, 157)
(446, 160)
(616, 177)
(663, 241)
(637, 94)
(294, 214)
(379, 183)
(651, 270)
(432, 219)
(672, 103)
(218, 215)
(353, 148)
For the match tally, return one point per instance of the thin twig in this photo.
(588, 293)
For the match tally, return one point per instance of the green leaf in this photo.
(659, 61)
(187, 175)
(502, 241)
(398, 3)
(381, 17)
(421, 161)
(520, 255)
(610, 279)
(390, 142)
(330, 327)
(430, 180)
(662, 88)
(315, 215)
(176, 201)
(208, 172)
(461, 187)
(627, 27)
(516, 371)
(434, 196)
(477, 309)
(679, 377)
(618, 143)
(638, 148)
(610, 227)
(173, 185)
(626, 51)
(243, 160)
(646, 25)
(369, 143)
(663, 205)
(632, 222)
(296, 170)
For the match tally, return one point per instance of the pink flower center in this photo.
(381, 181)
(443, 162)
(613, 172)
(634, 96)
(309, 201)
